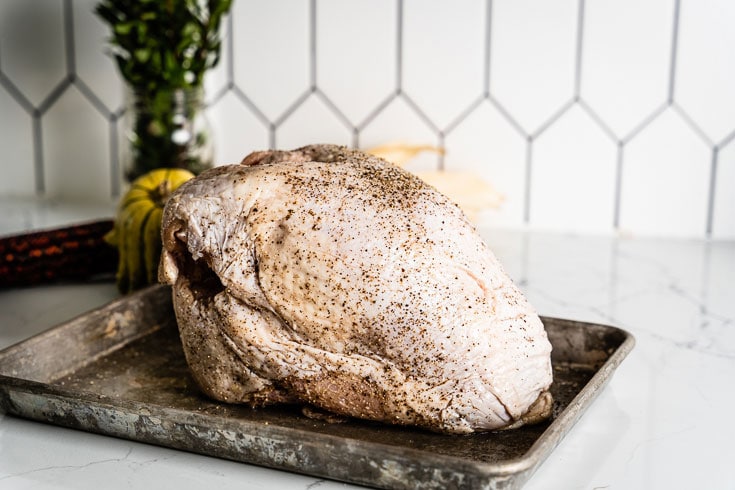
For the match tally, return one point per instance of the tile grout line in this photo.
(617, 203)
(312, 45)
(507, 116)
(318, 93)
(16, 94)
(420, 113)
(40, 178)
(578, 53)
(115, 184)
(398, 79)
(712, 191)
(292, 108)
(230, 70)
(472, 106)
(579, 59)
(644, 123)
(441, 142)
(527, 187)
(463, 115)
(692, 124)
(488, 47)
(598, 120)
(240, 95)
(53, 96)
(553, 118)
(712, 187)
(399, 47)
(412, 105)
(92, 98)
(674, 52)
(69, 41)
(726, 140)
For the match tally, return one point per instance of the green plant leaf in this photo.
(123, 28)
(142, 55)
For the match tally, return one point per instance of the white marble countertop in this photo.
(664, 421)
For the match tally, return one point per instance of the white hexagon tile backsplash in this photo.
(596, 116)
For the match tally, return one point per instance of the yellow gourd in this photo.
(137, 231)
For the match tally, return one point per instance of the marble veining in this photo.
(662, 422)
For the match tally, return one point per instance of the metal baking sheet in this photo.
(120, 371)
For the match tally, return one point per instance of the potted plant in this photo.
(163, 49)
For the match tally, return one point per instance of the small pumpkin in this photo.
(137, 230)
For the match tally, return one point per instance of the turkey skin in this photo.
(330, 278)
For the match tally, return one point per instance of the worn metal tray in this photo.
(120, 371)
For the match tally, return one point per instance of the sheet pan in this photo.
(120, 371)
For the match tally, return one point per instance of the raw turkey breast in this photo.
(327, 277)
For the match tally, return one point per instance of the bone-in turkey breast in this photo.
(328, 277)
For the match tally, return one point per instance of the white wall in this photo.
(589, 116)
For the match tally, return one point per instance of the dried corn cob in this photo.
(75, 252)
